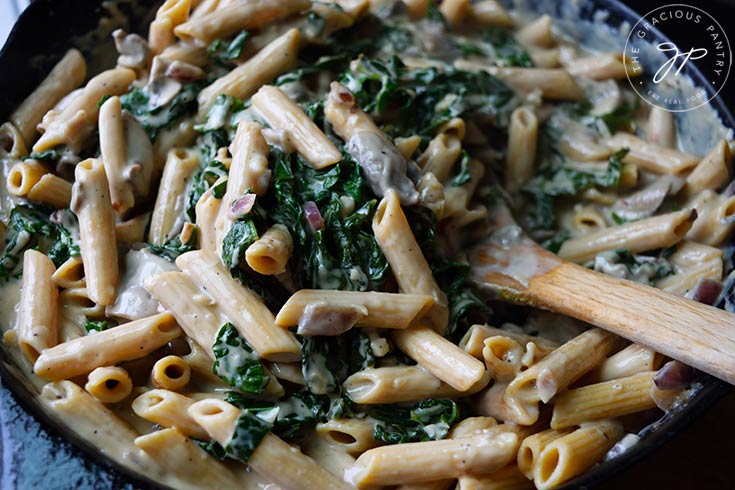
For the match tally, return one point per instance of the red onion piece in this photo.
(313, 216)
(241, 206)
(323, 319)
(674, 375)
(706, 291)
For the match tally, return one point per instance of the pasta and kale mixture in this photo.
(256, 232)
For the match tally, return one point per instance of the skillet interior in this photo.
(49, 27)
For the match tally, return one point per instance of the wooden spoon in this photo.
(514, 266)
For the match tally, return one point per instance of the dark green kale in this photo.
(213, 447)
(153, 118)
(51, 155)
(95, 325)
(327, 361)
(224, 51)
(643, 268)
(498, 45)
(30, 227)
(242, 234)
(237, 363)
(202, 181)
(428, 420)
(173, 247)
(249, 431)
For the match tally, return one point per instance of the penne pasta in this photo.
(37, 310)
(109, 384)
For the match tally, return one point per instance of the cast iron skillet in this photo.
(39, 39)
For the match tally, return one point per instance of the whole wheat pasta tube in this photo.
(168, 16)
(190, 464)
(37, 309)
(503, 357)
(433, 460)
(11, 142)
(491, 402)
(473, 341)
(226, 21)
(632, 360)
(133, 230)
(583, 147)
(521, 155)
(207, 209)
(79, 297)
(91, 203)
(639, 236)
(682, 282)
(653, 157)
(23, 176)
(712, 172)
(386, 310)
(78, 119)
(609, 399)
(441, 155)
(532, 446)
(454, 11)
(242, 306)
(270, 253)
(661, 127)
(109, 384)
(282, 113)
(545, 379)
(70, 274)
(397, 384)
(440, 357)
(354, 435)
(507, 478)
(169, 409)
(574, 453)
(67, 75)
(271, 455)
(125, 342)
(587, 219)
(601, 67)
(537, 33)
(52, 190)
(242, 82)
(544, 58)
(412, 272)
(193, 309)
(715, 218)
(112, 148)
(92, 421)
(490, 13)
(166, 220)
(171, 373)
(553, 83)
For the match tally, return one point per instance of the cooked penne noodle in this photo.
(271, 456)
(537, 33)
(454, 11)
(244, 308)
(440, 357)
(133, 230)
(651, 156)
(354, 435)
(503, 357)
(587, 220)
(602, 67)
(67, 75)
(113, 149)
(169, 409)
(410, 268)
(473, 341)
(166, 220)
(242, 82)
(433, 460)
(545, 379)
(70, 274)
(507, 478)
(441, 155)
(168, 16)
(171, 373)
(521, 155)
(715, 218)
(37, 309)
(544, 58)
(91, 203)
(712, 172)
(125, 342)
(609, 399)
(574, 453)
(532, 446)
(638, 236)
(661, 127)
(109, 384)
(23, 176)
(77, 120)
(632, 360)
(401, 384)
(553, 83)
(231, 19)
(490, 13)
(52, 190)
(282, 113)
(381, 310)
(270, 253)
(207, 209)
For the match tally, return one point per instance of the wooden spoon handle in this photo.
(699, 335)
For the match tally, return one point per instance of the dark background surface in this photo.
(700, 457)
